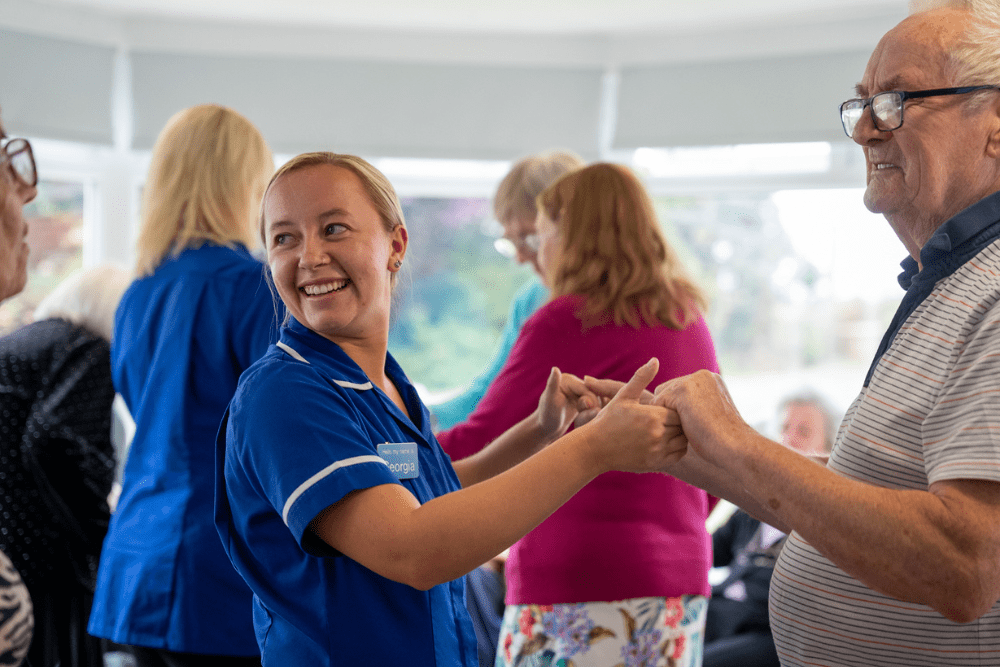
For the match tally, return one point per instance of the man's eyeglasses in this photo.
(887, 108)
(508, 248)
(17, 153)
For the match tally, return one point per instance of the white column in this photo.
(607, 120)
(112, 218)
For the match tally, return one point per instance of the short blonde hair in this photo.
(206, 179)
(87, 298)
(380, 192)
(612, 252)
(516, 194)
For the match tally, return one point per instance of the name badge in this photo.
(402, 458)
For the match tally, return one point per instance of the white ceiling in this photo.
(524, 16)
(442, 78)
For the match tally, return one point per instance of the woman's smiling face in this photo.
(330, 254)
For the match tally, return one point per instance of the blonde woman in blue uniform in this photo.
(335, 501)
(198, 314)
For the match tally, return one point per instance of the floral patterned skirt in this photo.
(641, 632)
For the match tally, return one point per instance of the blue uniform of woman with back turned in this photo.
(197, 316)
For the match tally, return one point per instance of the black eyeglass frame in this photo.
(903, 96)
(7, 158)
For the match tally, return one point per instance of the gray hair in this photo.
(87, 298)
(976, 57)
(516, 194)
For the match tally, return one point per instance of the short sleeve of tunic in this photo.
(298, 441)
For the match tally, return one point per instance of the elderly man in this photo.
(895, 554)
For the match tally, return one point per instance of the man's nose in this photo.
(865, 131)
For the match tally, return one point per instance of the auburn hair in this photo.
(611, 251)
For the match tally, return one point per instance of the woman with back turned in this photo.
(620, 572)
(198, 314)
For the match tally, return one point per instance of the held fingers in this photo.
(632, 391)
(577, 392)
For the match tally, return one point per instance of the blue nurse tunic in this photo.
(182, 337)
(306, 428)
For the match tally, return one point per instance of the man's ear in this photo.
(993, 139)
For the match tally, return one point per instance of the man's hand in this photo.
(633, 436)
(708, 418)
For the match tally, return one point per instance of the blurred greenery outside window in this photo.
(452, 301)
(55, 239)
(777, 315)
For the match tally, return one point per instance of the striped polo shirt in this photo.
(929, 412)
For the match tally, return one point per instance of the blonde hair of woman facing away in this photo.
(611, 250)
(186, 203)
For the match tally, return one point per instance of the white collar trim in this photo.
(293, 353)
(342, 383)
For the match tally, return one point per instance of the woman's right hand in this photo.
(635, 437)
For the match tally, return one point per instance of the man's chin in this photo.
(875, 201)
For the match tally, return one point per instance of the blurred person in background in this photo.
(514, 206)
(57, 458)
(197, 315)
(808, 423)
(737, 628)
(621, 569)
(18, 186)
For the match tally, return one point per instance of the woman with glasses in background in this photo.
(514, 207)
(18, 181)
(620, 572)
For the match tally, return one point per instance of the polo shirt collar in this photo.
(953, 244)
(970, 230)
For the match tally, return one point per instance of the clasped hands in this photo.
(691, 411)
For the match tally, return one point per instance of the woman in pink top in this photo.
(617, 575)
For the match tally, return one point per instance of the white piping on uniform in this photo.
(293, 353)
(304, 486)
(342, 383)
(353, 385)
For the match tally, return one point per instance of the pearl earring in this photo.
(398, 264)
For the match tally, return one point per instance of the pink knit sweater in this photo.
(624, 535)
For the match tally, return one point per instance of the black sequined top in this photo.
(56, 457)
